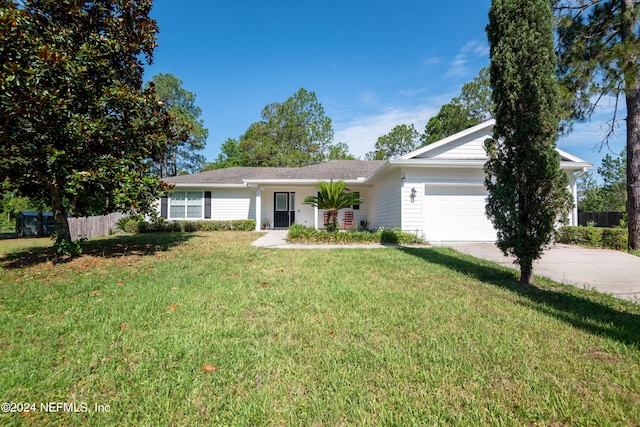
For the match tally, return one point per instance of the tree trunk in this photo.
(633, 167)
(59, 212)
(526, 273)
(632, 95)
(40, 231)
(332, 217)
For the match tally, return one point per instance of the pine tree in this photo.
(599, 46)
(528, 191)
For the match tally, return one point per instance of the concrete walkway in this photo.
(612, 272)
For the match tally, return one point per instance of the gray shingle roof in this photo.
(338, 169)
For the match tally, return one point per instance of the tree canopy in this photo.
(472, 107)
(77, 129)
(401, 140)
(295, 132)
(598, 50)
(611, 194)
(527, 189)
(188, 136)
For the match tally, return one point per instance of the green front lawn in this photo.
(187, 329)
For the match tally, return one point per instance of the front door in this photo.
(283, 209)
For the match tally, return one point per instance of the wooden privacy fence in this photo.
(94, 226)
(601, 219)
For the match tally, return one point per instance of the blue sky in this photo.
(372, 64)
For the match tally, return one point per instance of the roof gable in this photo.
(469, 145)
(465, 145)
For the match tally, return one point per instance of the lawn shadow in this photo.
(146, 244)
(561, 302)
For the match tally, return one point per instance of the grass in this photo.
(204, 329)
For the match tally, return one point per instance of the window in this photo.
(281, 202)
(355, 207)
(185, 204)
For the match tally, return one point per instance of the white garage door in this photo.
(456, 213)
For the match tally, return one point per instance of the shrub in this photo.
(568, 235)
(191, 226)
(615, 238)
(612, 238)
(302, 234)
(388, 236)
(592, 236)
(70, 248)
(297, 231)
(128, 224)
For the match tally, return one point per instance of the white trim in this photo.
(438, 163)
(186, 206)
(204, 185)
(251, 182)
(571, 157)
(445, 141)
(453, 184)
(576, 166)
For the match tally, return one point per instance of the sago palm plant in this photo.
(332, 197)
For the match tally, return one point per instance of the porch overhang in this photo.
(254, 183)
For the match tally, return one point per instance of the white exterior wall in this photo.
(468, 148)
(233, 203)
(413, 207)
(226, 203)
(385, 206)
(304, 213)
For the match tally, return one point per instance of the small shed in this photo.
(27, 224)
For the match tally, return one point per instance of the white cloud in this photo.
(411, 93)
(361, 133)
(473, 50)
(592, 133)
(368, 98)
(431, 61)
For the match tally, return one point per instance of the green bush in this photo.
(612, 238)
(128, 224)
(615, 238)
(592, 236)
(567, 235)
(301, 234)
(70, 248)
(190, 226)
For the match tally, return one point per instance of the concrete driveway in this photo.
(612, 272)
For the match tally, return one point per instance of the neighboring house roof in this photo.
(349, 170)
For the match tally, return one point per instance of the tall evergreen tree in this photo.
(183, 150)
(599, 47)
(527, 189)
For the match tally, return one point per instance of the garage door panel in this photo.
(456, 214)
